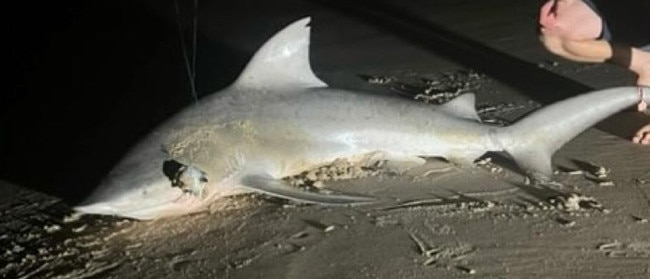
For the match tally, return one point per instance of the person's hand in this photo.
(642, 136)
(570, 19)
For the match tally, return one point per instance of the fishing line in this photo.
(195, 28)
(190, 63)
(190, 66)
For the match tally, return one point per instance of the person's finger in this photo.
(547, 15)
(642, 136)
(646, 139)
(642, 106)
(644, 129)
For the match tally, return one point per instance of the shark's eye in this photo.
(188, 178)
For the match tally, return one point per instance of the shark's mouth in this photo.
(190, 179)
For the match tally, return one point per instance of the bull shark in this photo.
(278, 119)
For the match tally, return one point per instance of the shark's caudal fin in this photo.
(279, 188)
(532, 140)
(283, 61)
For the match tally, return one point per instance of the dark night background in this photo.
(90, 78)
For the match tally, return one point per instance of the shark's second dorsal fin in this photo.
(283, 61)
(463, 106)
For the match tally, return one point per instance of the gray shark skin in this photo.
(278, 119)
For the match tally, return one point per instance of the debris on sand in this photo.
(616, 249)
(609, 245)
(451, 204)
(338, 170)
(466, 270)
(440, 88)
(570, 172)
(565, 222)
(320, 226)
(575, 202)
(441, 255)
(639, 220)
(598, 174)
(500, 107)
(602, 176)
(645, 179)
(52, 228)
(243, 262)
(487, 164)
(445, 87)
(592, 172)
(381, 80)
(548, 64)
(642, 181)
(436, 90)
(602, 172)
(300, 235)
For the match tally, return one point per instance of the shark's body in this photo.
(278, 119)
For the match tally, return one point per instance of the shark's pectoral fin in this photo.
(279, 188)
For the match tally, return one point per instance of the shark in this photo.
(278, 119)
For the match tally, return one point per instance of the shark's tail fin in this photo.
(532, 140)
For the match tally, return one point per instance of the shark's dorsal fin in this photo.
(463, 106)
(283, 61)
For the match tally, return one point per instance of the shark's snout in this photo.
(148, 191)
(156, 200)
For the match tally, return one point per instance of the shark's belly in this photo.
(293, 149)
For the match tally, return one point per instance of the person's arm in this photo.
(599, 51)
(593, 51)
(640, 64)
